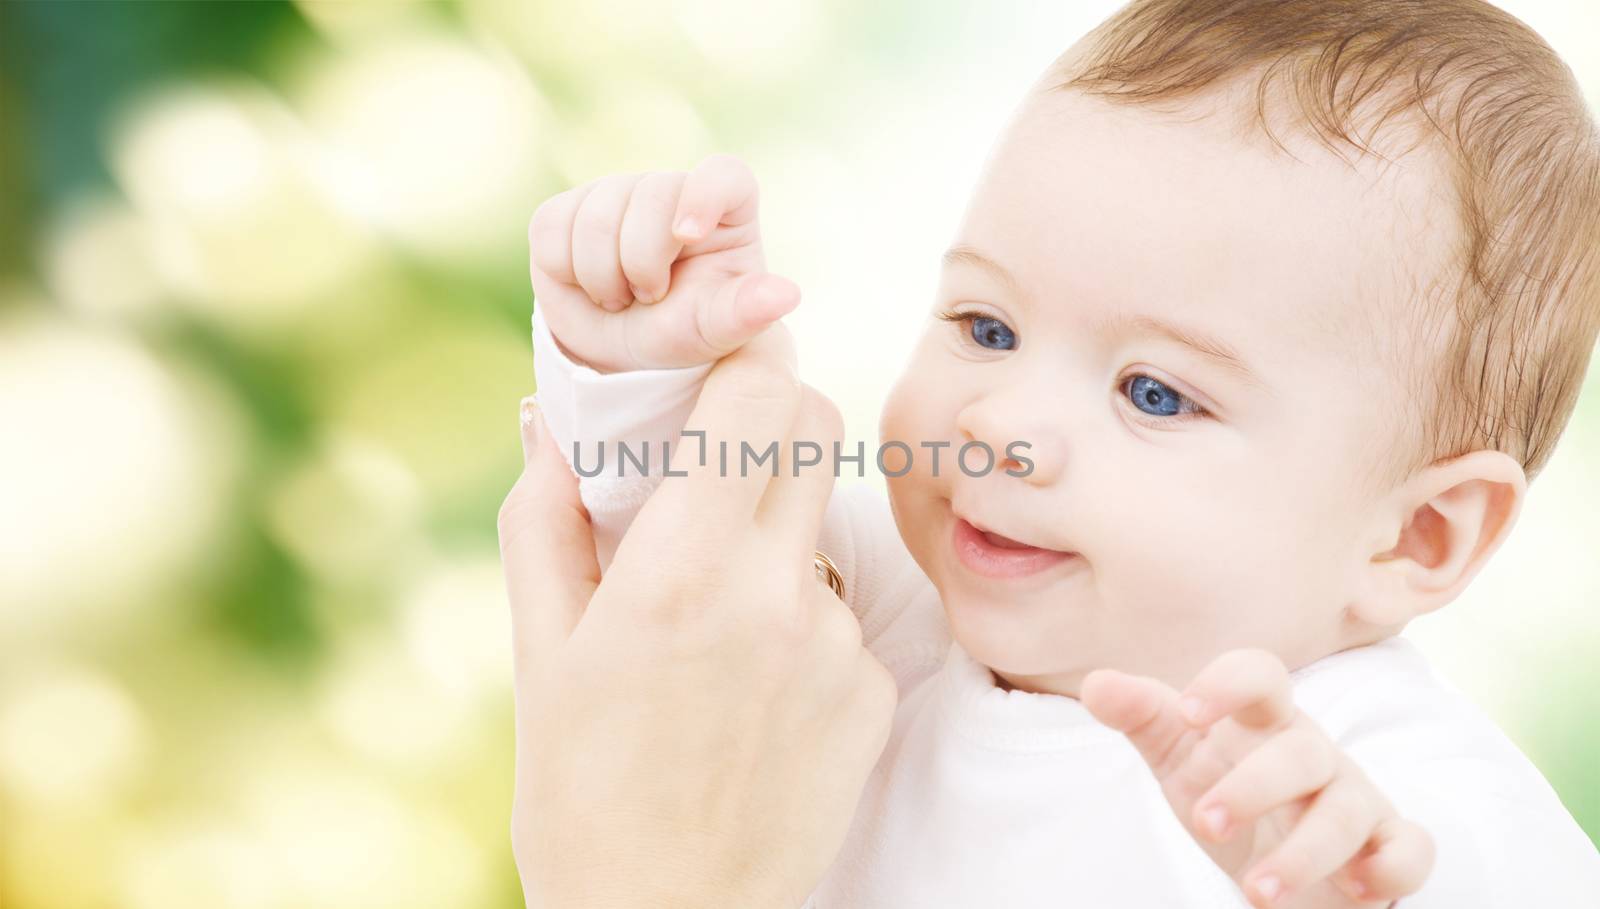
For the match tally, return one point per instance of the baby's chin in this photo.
(1022, 637)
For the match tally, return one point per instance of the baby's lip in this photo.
(987, 528)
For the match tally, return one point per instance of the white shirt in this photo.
(991, 797)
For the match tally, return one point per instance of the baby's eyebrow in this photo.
(1212, 348)
(967, 255)
(1208, 346)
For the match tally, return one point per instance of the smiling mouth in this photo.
(1002, 542)
(995, 556)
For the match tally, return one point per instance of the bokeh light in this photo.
(234, 193)
(194, 863)
(437, 142)
(106, 442)
(69, 737)
(350, 511)
(99, 260)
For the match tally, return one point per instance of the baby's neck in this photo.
(1373, 636)
(1003, 684)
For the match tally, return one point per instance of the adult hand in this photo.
(695, 728)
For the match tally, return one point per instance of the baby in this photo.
(1268, 311)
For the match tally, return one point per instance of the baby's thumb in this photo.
(741, 309)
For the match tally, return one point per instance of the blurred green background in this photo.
(263, 329)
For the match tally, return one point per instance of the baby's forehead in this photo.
(1185, 210)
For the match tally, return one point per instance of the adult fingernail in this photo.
(688, 227)
(529, 409)
(1192, 707)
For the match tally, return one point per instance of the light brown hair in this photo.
(1523, 158)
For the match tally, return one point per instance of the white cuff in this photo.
(643, 409)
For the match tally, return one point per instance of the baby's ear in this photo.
(1451, 516)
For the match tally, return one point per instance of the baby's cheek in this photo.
(913, 415)
(1188, 561)
(892, 421)
(1249, 589)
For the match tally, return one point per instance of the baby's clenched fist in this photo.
(656, 270)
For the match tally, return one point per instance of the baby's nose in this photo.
(1022, 443)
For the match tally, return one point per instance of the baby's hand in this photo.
(655, 270)
(1261, 787)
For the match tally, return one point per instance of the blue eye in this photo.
(992, 333)
(1158, 400)
(986, 331)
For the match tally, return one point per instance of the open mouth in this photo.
(994, 555)
(1003, 542)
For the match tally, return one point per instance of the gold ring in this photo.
(828, 573)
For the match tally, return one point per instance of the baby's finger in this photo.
(647, 246)
(740, 309)
(550, 233)
(1250, 685)
(719, 190)
(595, 231)
(1337, 823)
(570, 314)
(1395, 863)
(1289, 766)
(1143, 709)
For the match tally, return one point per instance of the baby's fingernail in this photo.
(688, 227)
(639, 294)
(1216, 819)
(777, 295)
(1269, 887)
(1191, 707)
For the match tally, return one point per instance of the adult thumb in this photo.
(546, 546)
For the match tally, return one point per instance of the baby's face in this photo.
(1214, 494)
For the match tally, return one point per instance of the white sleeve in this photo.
(590, 414)
(1498, 840)
(1501, 835)
(594, 416)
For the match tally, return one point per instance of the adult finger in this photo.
(1250, 685)
(720, 190)
(546, 547)
(796, 499)
(596, 230)
(750, 398)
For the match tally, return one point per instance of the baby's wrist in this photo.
(577, 360)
